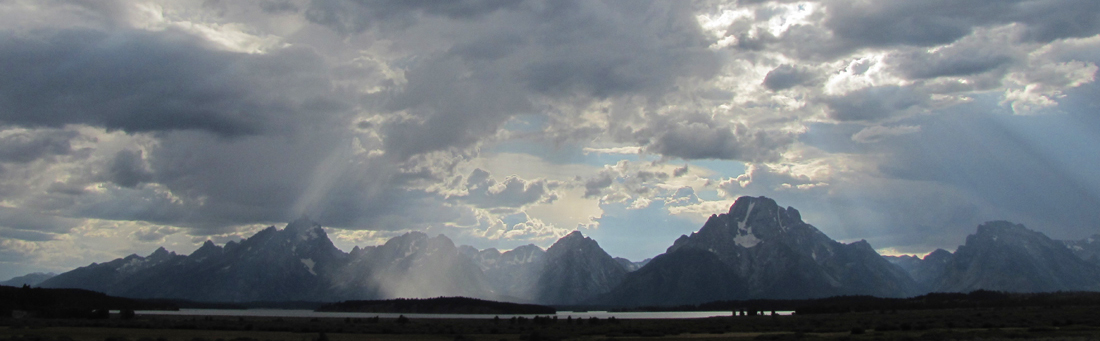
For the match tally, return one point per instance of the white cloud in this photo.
(877, 133)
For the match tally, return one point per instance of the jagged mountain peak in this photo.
(1003, 228)
(302, 223)
(305, 229)
(468, 251)
(759, 249)
(409, 237)
(862, 245)
(160, 252)
(577, 268)
(575, 235)
(207, 249)
(529, 248)
(939, 254)
(1010, 257)
(574, 241)
(1010, 235)
(750, 222)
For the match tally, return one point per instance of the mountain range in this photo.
(1004, 256)
(757, 249)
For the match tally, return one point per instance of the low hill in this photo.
(68, 303)
(440, 305)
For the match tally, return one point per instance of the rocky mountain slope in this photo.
(577, 269)
(1008, 257)
(513, 274)
(411, 265)
(760, 250)
(1087, 249)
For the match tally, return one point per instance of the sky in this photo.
(128, 125)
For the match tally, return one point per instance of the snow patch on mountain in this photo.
(309, 263)
(746, 239)
(748, 213)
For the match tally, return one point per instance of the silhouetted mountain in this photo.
(576, 269)
(116, 277)
(925, 271)
(289, 264)
(1009, 257)
(31, 279)
(760, 250)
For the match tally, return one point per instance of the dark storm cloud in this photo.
(127, 169)
(874, 103)
(280, 114)
(605, 50)
(898, 22)
(27, 235)
(1030, 167)
(354, 16)
(852, 25)
(1050, 20)
(154, 233)
(929, 23)
(710, 140)
(979, 53)
(139, 82)
(787, 76)
(923, 66)
(568, 50)
(485, 192)
(26, 146)
(278, 6)
(254, 178)
(452, 109)
(594, 187)
(19, 219)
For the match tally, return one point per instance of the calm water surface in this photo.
(560, 314)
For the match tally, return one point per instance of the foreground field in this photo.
(950, 324)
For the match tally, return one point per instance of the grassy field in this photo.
(1064, 323)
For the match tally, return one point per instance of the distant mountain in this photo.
(1009, 257)
(513, 274)
(577, 269)
(760, 250)
(31, 279)
(1087, 249)
(632, 266)
(925, 271)
(297, 263)
(408, 266)
(272, 265)
(116, 277)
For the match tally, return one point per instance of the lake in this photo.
(560, 314)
